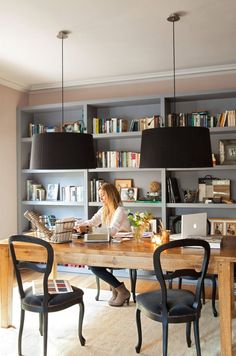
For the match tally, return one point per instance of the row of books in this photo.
(116, 125)
(202, 119)
(71, 193)
(77, 126)
(113, 125)
(95, 184)
(145, 123)
(227, 118)
(36, 191)
(115, 159)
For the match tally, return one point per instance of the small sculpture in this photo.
(155, 191)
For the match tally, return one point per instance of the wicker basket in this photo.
(62, 232)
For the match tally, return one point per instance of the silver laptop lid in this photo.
(193, 225)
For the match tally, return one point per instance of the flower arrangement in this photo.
(139, 219)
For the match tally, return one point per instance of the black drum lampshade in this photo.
(62, 150)
(176, 147)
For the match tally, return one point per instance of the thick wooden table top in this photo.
(127, 254)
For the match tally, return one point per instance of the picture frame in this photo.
(155, 225)
(123, 183)
(223, 226)
(129, 194)
(77, 126)
(52, 191)
(230, 228)
(227, 150)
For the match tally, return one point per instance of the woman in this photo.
(111, 215)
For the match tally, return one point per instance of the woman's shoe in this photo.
(114, 295)
(123, 295)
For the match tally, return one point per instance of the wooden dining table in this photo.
(126, 254)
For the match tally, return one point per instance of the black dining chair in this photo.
(174, 305)
(44, 303)
(176, 226)
(133, 280)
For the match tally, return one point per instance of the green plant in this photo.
(139, 219)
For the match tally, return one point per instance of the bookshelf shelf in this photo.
(50, 203)
(121, 135)
(200, 206)
(130, 109)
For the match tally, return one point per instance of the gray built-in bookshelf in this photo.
(134, 112)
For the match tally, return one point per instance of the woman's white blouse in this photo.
(119, 220)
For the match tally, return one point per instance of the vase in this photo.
(137, 232)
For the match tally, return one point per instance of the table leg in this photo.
(6, 287)
(53, 274)
(225, 278)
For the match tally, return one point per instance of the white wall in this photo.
(9, 100)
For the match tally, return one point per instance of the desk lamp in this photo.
(62, 150)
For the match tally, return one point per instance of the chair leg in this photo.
(180, 283)
(45, 333)
(203, 293)
(133, 280)
(188, 334)
(80, 327)
(213, 296)
(41, 324)
(196, 336)
(139, 330)
(98, 288)
(164, 338)
(22, 319)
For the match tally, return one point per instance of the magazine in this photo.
(55, 286)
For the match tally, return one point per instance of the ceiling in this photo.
(113, 40)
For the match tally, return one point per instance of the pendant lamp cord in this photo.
(62, 35)
(173, 18)
(174, 64)
(62, 83)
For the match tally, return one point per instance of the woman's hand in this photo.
(83, 229)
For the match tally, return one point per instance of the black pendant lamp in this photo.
(62, 150)
(175, 147)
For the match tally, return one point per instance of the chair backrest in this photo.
(198, 275)
(20, 265)
(176, 225)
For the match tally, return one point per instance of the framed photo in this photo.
(217, 228)
(52, 191)
(122, 183)
(155, 225)
(77, 126)
(227, 151)
(230, 228)
(129, 194)
(223, 226)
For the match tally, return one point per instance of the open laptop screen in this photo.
(193, 225)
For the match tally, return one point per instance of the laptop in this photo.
(192, 225)
(195, 226)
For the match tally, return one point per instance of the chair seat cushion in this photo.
(56, 302)
(179, 302)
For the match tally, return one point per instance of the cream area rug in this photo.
(107, 330)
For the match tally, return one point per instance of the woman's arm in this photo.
(96, 220)
(119, 221)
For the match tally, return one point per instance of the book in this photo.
(55, 286)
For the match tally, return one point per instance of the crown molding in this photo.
(211, 70)
(14, 85)
(130, 79)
